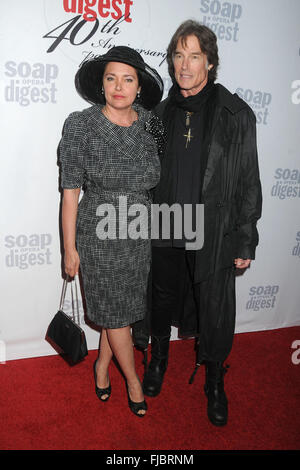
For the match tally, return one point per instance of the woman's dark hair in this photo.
(207, 41)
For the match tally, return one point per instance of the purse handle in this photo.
(63, 295)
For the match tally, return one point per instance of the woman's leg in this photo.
(120, 341)
(103, 361)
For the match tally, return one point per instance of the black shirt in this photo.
(187, 157)
(186, 152)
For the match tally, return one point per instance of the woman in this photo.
(107, 150)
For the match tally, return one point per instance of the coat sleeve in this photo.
(72, 149)
(250, 194)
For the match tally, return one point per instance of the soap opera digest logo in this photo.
(259, 101)
(262, 297)
(287, 183)
(296, 248)
(25, 251)
(222, 18)
(28, 83)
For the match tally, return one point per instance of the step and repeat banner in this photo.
(43, 42)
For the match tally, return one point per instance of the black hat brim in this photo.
(88, 79)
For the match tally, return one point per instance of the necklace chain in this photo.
(188, 118)
(188, 135)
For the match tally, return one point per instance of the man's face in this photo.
(190, 66)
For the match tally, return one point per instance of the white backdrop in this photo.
(42, 44)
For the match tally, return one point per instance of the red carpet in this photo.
(46, 404)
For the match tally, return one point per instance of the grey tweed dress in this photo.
(112, 164)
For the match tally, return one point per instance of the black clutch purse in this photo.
(64, 334)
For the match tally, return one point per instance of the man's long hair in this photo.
(207, 41)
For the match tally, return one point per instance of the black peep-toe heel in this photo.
(135, 407)
(100, 392)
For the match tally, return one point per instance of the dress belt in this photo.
(117, 192)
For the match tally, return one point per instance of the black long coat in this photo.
(231, 191)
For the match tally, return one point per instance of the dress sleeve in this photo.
(72, 149)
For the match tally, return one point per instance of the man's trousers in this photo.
(205, 310)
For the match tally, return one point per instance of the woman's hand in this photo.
(242, 263)
(72, 262)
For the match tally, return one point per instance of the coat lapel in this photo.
(214, 151)
(233, 104)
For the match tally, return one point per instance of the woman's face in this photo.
(120, 84)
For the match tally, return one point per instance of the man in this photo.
(210, 158)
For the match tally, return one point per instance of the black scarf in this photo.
(191, 103)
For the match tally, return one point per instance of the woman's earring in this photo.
(138, 95)
(102, 91)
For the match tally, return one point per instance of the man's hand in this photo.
(242, 263)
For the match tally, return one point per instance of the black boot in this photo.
(154, 375)
(217, 406)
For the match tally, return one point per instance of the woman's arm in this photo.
(69, 216)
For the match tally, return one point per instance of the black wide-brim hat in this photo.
(88, 79)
